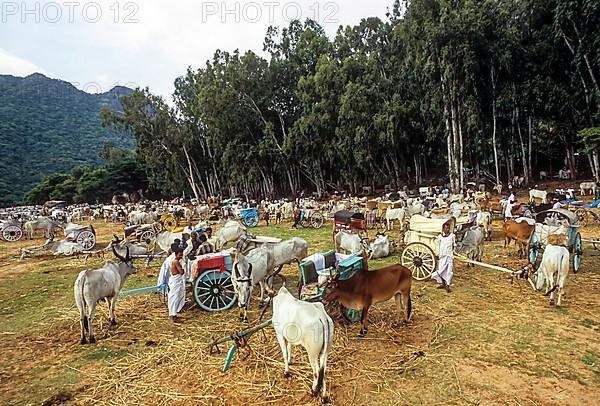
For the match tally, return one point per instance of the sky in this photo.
(97, 45)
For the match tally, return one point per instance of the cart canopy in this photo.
(563, 213)
(347, 216)
(431, 226)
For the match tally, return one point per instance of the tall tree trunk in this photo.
(530, 145)
(494, 123)
(461, 158)
(596, 166)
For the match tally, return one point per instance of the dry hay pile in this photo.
(173, 365)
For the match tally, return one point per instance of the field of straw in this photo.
(490, 341)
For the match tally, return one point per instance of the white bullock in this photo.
(307, 324)
(141, 217)
(380, 247)
(249, 271)
(164, 239)
(230, 232)
(538, 194)
(484, 220)
(94, 285)
(555, 261)
(349, 243)
(585, 187)
(395, 214)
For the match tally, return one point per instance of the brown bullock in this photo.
(495, 206)
(520, 232)
(366, 288)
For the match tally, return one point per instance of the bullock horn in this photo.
(118, 255)
(127, 257)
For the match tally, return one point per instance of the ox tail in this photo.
(80, 302)
(323, 355)
(408, 307)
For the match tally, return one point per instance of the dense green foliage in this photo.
(48, 126)
(90, 184)
(457, 88)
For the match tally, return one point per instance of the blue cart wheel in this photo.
(251, 220)
(577, 251)
(213, 290)
(533, 249)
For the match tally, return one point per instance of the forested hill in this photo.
(49, 126)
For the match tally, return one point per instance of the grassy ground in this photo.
(488, 342)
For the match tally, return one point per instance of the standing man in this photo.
(176, 297)
(508, 209)
(443, 276)
(297, 217)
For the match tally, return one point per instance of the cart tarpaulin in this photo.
(347, 216)
(208, 261)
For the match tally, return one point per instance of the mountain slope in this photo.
(49, 126)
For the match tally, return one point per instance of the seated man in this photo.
(205, 247)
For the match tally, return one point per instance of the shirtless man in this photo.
(176, 298)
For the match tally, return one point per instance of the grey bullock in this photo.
(472, 244)
(42, 223)
(122, 246)
(93, 285)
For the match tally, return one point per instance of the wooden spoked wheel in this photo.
(582, 214)
(577, 252)
(12, 233)
(420, 259)
(86, 239)
(213, 290)
(147, 236)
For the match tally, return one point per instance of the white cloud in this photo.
(13, 65)
(166, 39)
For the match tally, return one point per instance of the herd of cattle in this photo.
(253, 267)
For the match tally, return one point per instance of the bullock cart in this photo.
(147, 232)
(141, 232)
(11, 230)
(316, 269)
(589, 213)
(560, 222)
(420, 254)
(348, 221)
(82, 235)
(422, 246)
(249, 217)
(311, 218)
(210, 278)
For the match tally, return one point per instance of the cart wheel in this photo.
(213, 290)
(169, 223)
(250, 221)
(147, 235)
(304, 223)
(420, 259)
(317, 220)
(577, 252)
(12, 233)
(582, 214)
(533, 249)
(86, 239)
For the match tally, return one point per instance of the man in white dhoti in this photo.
(443, 276)
(176, 298)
